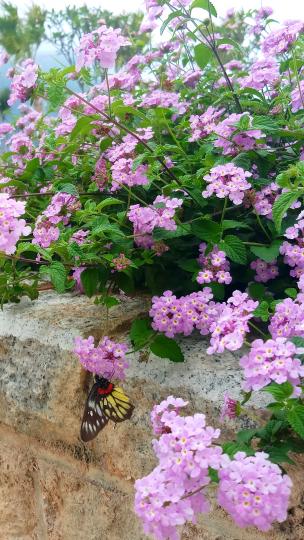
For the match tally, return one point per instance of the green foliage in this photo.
(165, 347)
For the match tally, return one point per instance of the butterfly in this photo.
(105, 402)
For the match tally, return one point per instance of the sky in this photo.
(283, 10)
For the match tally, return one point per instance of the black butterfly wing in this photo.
(116, 405)
(94, 418)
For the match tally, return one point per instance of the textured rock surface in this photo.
(52, 486)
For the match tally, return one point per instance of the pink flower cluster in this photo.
(227, 322)
(204, 124)
(263, 73)
(23, 83)
(253, 490)
(215, 266)
(279, 41)
(227, 181)
(259, 23)
(58, 211)
(294, 252)
(168, 405)
(122, 156)
(232, 140)
(264, 271)
(229, 327)
(11, 227)
(297, 97)
(161, 98)
(272, 360)
(288, 318)
(182, 315)
(146, 218)
(165, 498)
(102, 46)
(79, 237)
(108, 359)
(264, 200)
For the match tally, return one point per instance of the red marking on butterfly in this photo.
(105, 402)
(105, 391)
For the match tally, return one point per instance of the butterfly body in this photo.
(105, 402)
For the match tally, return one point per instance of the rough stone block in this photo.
(54, 486)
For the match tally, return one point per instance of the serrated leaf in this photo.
(232, 448)
(140, 332)
(172, 16)
(279, 391)
(90, 279)
(111, 201)
(282, 204)
(58, 275)
(262, 311)
(295, 418)
(70, 189)
(267, 253)
(297, 341)
(257, 291)
(232, 224)
(190, 265)
(206, 229)
(204, 4)
(245, 435)
(26, 246)
(264, 123)
(202, 55)
(234, 249)
(83, 126)
(291, 292)
(163, 234)
(165, 347)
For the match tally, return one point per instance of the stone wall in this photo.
(54, 487)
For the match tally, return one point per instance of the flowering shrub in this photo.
(180, 175)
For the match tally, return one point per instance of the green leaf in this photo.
(267, 253)
(89, 280)
(205, 229)
(190, 265)
(202, 55)
(83, 126)
(204, 4)
(295, 418)
(262, 311)
(232, 448)
(111, 201)
(292, 293)
(110, 301)
(58, 275)
(162, 234)
(165, 347)
(297, 341)
(232, 42)
(282, 204)
(140, 332)
(232, 224)
(264, 123)
(280, 391)
(257, 291)
(278, 455)
(26, 246)
(172, 16)
(67, 188)
(245, 435)
(213, 475)
(234, 248)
